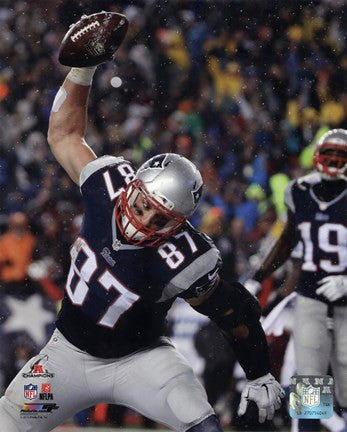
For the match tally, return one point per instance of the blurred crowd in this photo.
(243, 88)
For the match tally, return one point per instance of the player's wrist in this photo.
(82, 76)
(263, 379)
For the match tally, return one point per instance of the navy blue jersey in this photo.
(117, 295)
(321, 229)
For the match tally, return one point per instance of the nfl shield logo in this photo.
(311, 396)
(30, 391)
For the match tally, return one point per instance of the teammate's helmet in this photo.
(172, 185)
(330, 156)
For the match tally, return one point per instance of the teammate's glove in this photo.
(333, 287)
(266, 392)
(253, 286)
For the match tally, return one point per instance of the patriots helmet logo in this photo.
(197, 194)
(156, 162)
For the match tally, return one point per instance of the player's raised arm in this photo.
(91, 41)
(67, 123)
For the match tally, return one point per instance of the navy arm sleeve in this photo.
(237, 313)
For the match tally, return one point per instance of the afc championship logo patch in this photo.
(311, 396)
(37, 370)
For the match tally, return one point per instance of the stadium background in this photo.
(242, 88)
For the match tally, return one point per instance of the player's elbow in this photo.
(56, 132)
(51, 137)
(60, 127)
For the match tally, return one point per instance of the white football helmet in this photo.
(172, 185)
(330, 156)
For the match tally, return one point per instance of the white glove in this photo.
(333, 287)
(266, 392)
(253, 286)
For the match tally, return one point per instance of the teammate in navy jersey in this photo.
(136, 253)
(317, 217)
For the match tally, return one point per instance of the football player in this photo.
(317, 206)
(136, 253)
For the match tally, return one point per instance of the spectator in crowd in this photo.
(16, 251)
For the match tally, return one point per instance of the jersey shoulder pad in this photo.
(305, 182)
(105, 178)
(202, 239)
(97, 164)
(203, 285)
(294, 190)
(200, 272)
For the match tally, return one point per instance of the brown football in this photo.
(94, 39)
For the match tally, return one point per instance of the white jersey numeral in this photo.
(126, 171)
(189, 239)
(122, 303)
(77, 284)
(308, 265)
(172, 256)
(325, 233)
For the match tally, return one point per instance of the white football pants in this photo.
(316, 347)
(158, 383)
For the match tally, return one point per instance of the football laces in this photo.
(92, 26)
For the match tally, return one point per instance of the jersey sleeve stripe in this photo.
(97, 164)
(182, 281)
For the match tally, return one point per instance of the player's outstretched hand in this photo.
(266, 392)
(93, 39)
(333, 287)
